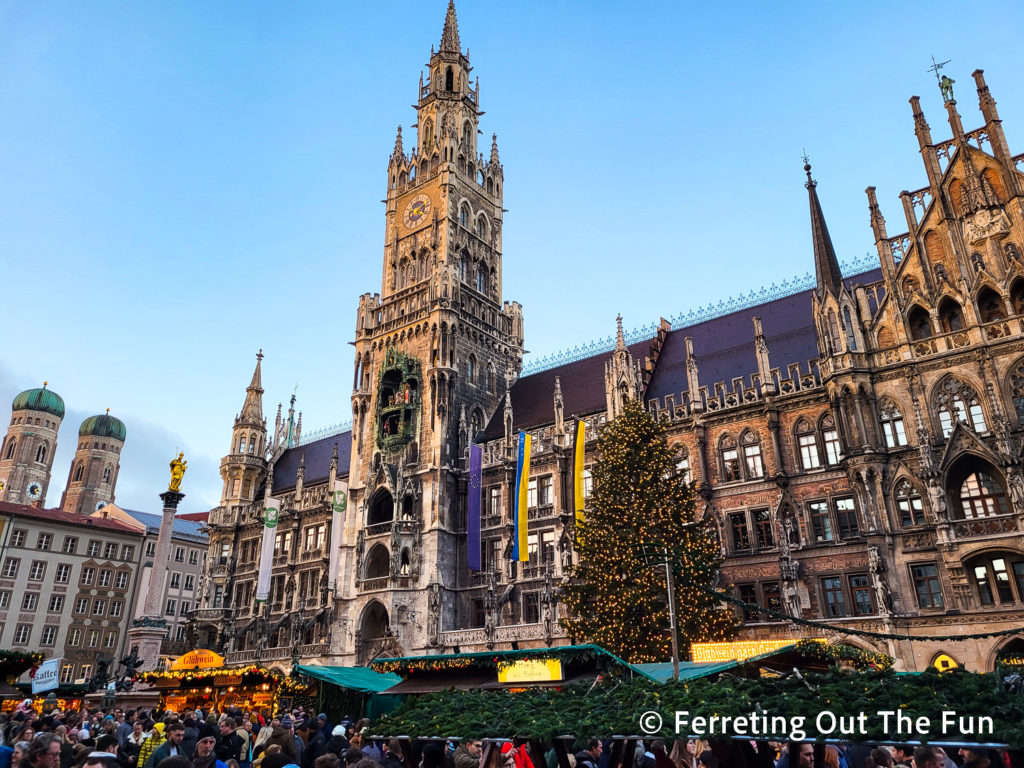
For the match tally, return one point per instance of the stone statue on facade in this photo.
(178, 467)
(434, 614)
(883, 595)
(937, 499)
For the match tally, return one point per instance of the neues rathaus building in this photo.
(857, 441)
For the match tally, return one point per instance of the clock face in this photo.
(416, 212)
(34, 490)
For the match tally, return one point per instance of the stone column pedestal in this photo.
(149, 631)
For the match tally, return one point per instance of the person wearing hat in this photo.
(99, 759)
(338, 743)
(283, 737)
(325, 727)
(205, 757)
(171, 747)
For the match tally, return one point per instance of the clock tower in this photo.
(435, 351)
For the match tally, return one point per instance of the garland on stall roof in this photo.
(16, 662)
(486, 661)
(842, 630)
(856, 657)
(196, 675)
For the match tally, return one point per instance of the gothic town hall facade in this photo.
(858, 443)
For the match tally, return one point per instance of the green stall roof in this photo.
(361, 679)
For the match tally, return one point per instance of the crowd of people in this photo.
(241, 739)
(690, 753)
(196, 739)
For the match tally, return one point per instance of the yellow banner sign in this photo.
(530, 671)
(735, 651)
(198, 659)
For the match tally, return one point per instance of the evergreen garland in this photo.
(615, 706)
(640, 512)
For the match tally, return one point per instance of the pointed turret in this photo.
(622, 380)
(399, 152)
(495, 160)
(252, 409)
(826, 267)
(450, 35)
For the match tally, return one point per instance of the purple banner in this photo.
(473, 507)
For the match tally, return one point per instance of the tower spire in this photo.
(252, 410)
(450, 35)
(826, 266)
(399, 149)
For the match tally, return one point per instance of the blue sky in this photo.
(184, 183)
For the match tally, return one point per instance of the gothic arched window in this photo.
(1017, 390)
(481, 227)
(467, 135)
(106, 475)
(951, 316)
(996, 575)
(990, 305)
(753, 464)
(833, 331)
(471, 370)
(807, 444)
(956, 401)
(481, 277)
(476, 423)
(908, 504)
(919, 323)
(252, 443)
(683, 465)
(981, 495)
(490, 377)
(78, 472)
(851, 340)
(730, 459)
(10, 449)
(892, 424)
(449, 79)
(830, 439)
(464, 215)
(41, 454)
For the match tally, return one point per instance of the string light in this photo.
(640, 508)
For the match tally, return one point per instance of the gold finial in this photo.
(45, 383)
(108, 411)
(178, 467)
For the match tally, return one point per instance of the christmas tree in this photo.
(640, 514)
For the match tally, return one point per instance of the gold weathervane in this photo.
(178, 467)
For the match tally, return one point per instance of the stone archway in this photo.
(374, 638)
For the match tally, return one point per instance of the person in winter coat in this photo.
(313, 743)
(156, 738)
(587, 758)
(169, 748)
(205, 757)
(230, 745)
(282, 736)
(338, 744)
(393, 755)
(467, 755)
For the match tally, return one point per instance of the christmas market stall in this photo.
(23, 665)
(351, 691)
(199, 679)
(505, 670)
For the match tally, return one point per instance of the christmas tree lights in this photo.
(641, 513)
